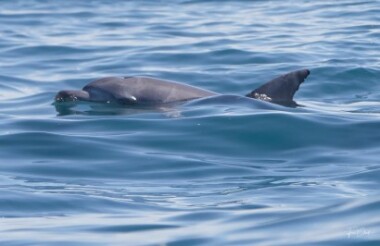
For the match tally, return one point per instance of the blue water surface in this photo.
(227, 172)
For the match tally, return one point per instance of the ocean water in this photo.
(231, 172)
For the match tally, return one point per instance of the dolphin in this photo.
(151, 91)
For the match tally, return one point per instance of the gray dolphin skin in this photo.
(145, 90)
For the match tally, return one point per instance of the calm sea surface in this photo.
(203, 173)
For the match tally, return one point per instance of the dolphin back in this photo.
(127, 90)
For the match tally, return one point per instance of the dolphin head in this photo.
(72, 96)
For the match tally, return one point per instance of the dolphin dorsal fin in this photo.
(282, 88)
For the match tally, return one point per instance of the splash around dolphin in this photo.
(152, 91)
